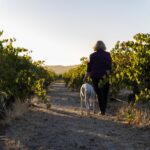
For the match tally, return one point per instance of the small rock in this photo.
(45, 119)
(91, 139)
(82, 147)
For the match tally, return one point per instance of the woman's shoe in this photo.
(102, 112)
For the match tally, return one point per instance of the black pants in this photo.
(102, 94)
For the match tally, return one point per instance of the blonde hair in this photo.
(99, 46)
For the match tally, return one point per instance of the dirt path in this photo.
(62, 128)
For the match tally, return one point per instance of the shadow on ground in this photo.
(61, 130)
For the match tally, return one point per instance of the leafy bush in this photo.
(131, 66)
(74, 77)
(20, 76)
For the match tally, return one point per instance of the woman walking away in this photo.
(99, 65)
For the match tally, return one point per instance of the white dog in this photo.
(88, 95)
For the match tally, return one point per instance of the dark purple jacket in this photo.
(99, 63)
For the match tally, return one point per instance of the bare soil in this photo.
(62, 128)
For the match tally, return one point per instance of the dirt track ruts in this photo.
(62, 128)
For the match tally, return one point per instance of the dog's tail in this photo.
(82, 92)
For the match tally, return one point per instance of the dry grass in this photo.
(18, 109)
(135, 116)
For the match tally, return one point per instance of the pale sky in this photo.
(60, 32)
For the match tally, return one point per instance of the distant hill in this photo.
(59, 69)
